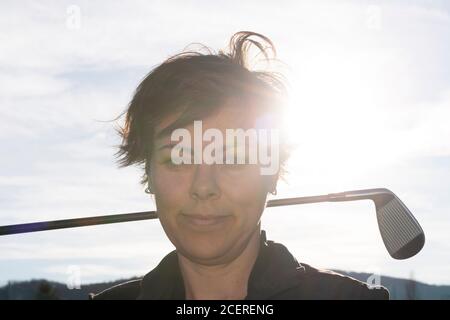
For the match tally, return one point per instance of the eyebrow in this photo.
(163, 133)
(164, 147)
(167, 145)
(171, 145)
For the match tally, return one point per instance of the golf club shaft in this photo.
(144, 215)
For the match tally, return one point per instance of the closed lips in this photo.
(205, 219)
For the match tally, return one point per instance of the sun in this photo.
(334, 121)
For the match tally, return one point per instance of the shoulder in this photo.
(125, 291)
(277, 274)
(326, 284)
(157, 284)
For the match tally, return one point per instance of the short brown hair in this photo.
(196, 83)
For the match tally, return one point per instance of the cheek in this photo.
(246, 190)
(170, 189)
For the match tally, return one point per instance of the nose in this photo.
(204, 185)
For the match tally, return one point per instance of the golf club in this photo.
(401, 233)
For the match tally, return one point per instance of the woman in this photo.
(211, 209)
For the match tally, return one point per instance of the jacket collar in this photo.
(274, 271)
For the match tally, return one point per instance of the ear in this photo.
(271, 182)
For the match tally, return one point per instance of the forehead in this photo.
(231, 115)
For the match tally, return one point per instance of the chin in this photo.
(204, 248)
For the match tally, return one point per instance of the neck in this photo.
(227, 281)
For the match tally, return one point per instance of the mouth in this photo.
(204, 221)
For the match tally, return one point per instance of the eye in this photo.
(168, 163)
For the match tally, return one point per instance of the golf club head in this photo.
(400, 231)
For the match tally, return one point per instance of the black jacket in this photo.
(276, 274)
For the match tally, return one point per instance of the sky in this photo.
(370, 104)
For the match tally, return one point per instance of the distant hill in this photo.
(406, 289)
(41, 289)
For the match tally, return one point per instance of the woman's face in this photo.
(209, 212)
